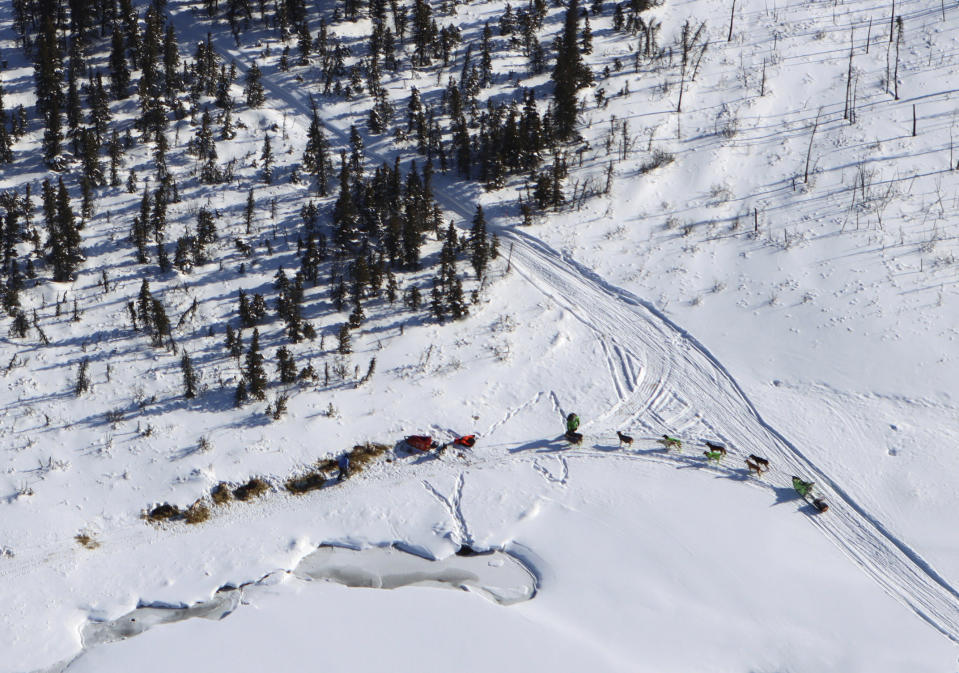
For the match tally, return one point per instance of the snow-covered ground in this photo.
(722, 296)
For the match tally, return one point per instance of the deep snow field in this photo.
(720, 296)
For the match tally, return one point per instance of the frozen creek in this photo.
(495, 575)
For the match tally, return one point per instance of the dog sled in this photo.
(421, 443)
(425, 443)
(573, 437)
(466, 441)
(805, 490)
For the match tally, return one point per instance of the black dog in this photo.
(624, 439)
(717, 447)
(761, 462)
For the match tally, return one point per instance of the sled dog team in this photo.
(714, 453)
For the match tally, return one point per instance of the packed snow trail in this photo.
(681, 388)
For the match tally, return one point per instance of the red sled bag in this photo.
(466, 440)
(421, 442)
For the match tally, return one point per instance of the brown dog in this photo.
(624, 439)
(754, 467)
(761, 462)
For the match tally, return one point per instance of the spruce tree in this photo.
(82, 383)
(286, 366)
(90, 157)
(234, 342)
(241, 396)
(316, 156)
(310, 261)
(586, 38)
(6, 153)
(205, 226)
(171, 67)
(345, 214)
(65, 254)
(343, 337)
(152, 118)
(479, 246)
(254, 373)
(455, 301)
(189, 377)
(248, 212)
(145, 307)
(266, 157)
(20, 324)
(356, 152)
(119, 70)
(437, 301)
(227, 131)
(99, 107)
(255, 95)
(392, 287)
(569, 75)
(162, 327)
(115, 150)
(52, 135)
(204, 147)
(486, 59)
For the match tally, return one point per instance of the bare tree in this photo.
(812, 135)
(688, 44)
(895, 77)
(732, 12)
(847, 112)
